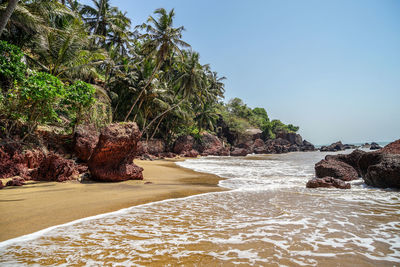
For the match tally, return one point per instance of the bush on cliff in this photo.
(12, 68)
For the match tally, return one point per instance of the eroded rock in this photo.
(85, 140)
(336, 169)
(53, 167)
(112, 158)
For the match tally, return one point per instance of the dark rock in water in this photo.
(277, 146)
(18, 181)
(336, 169)
(368, 159)
(85, 140)
(55, 168)
(236, 152)
(328, 182)
(112, 159)
(211, 145)
(338, 146)
(384, 174)
(351, 159)
(349, 146)
(375, 146)
(184, 144)
(307, 146)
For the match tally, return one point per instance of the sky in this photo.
(330, 67)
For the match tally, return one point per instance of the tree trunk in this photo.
(12, 4)
(144, 88)
(162, 114)
(158, 124)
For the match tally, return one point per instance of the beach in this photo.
(39, 205)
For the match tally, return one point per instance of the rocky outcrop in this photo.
(392, 148)
(352, 159)
(336, 169)
(379, 168)
(85, 140)
(53, 167)
(307, 146)
(152, 147)
(328, 182)
(236, 152)
(112, 158)
(211, 145)
(338, 146)
(385, 173)
(293, 138)
(184, 144)
(374, 146)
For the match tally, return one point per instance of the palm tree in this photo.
(12, 4)
(162, 39)
(189, 81)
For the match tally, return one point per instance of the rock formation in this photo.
(85, 140)
(374, 146)
(211, 145)
(53, 167)
(337, 146)
(328, 182)
(379, 168)
(112, 158)
(336, 169)
(184, 144)
(17, 181)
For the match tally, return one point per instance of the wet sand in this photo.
(39, 205)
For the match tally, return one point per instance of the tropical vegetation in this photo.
(63, 63)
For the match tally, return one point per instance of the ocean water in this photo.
(268, 218)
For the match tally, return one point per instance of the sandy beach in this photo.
(39, 205)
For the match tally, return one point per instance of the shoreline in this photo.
(37, 206)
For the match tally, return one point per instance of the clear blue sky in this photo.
(331, 67)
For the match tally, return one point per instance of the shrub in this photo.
(79, 97)
(12, 68)
(40, 96)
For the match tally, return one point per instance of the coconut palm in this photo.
(12, 4)
(162, 41)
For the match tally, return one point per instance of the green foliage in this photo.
(12, 69)
(41, 95)
(79, 97)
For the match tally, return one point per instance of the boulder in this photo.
(53, 167)
(112, 158)
(248, 136)
(352, 159)
(336, 169)
(212, 145)
(338, 146)
(392, 148)
(375, 146)
(259, 147)
(385, 173)
(184, 144)
(368, 159)
(191, 154)
(17, 181)
(153, 147)
(293, 138)
(85, 140)
(328, 182)
(307, 146)
(236, 152)
(277, 146)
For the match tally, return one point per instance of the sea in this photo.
(267, 218)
